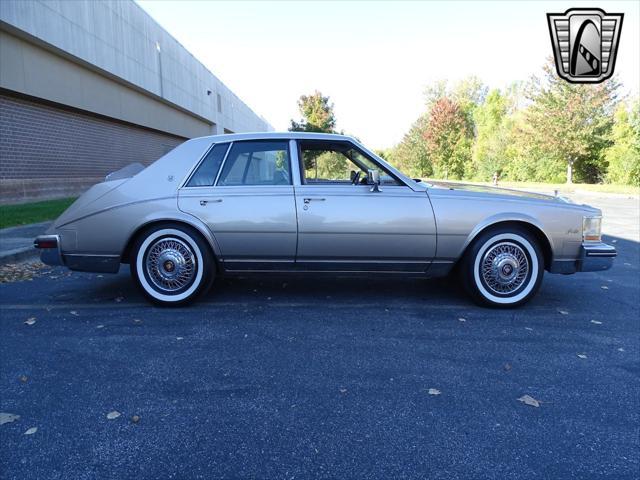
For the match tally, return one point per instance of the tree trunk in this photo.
(570, 171)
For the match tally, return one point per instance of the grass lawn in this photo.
(25, 213)
(564, 187)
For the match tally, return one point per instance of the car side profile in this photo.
(306, 202)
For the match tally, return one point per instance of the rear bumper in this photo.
(595, 257)
(51, 254)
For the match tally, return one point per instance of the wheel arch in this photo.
(202, 229)
(530, 224)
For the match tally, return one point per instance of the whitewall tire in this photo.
(503, 267)
(172, 264)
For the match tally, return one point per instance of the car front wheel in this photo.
(503, 267)
(172, 264)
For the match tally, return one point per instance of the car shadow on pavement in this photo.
(373, 290)
(58, 287)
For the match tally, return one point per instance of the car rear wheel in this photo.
(172, 264)
(503, 267)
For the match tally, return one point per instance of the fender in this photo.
(506, 217)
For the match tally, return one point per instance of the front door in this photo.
(346, 224)
(243, 191)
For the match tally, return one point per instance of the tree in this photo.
(410, 155)
(447, 138)
(623, 157)
(569, 124)
(544, 130)
(384, 153)
(317, 114)
(492, 136)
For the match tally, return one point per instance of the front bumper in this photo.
(595, 257)
(51, 254)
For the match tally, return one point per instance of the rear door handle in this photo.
(205, 202)
(314, 199)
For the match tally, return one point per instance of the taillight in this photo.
(46, 242)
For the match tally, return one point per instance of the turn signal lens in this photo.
(591, 229)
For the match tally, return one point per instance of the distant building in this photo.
(87, 87)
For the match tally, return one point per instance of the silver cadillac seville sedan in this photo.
(303, 202)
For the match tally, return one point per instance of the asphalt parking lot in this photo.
(329, 378)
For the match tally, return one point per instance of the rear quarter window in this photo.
(208, 169)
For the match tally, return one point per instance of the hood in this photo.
(469, 187)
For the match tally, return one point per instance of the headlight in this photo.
(591, 229)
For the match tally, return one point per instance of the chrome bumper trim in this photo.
(93, 263)
(595, 257)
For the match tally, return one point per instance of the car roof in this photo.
(228, 137)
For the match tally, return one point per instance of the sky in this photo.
(374, 59)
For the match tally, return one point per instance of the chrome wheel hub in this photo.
(504, 268)
(170, 264)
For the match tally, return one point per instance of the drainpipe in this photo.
(160, 68)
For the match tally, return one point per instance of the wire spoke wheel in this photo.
(170, 264)
(505, 268)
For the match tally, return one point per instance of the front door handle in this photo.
(314, 199)
(204, 202)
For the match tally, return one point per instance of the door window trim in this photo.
(301, 173)
(231, 144)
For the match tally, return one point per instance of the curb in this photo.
(16, 243)
(634, 196)
(19, 255)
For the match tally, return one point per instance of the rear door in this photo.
(243, 191)
(345, 224)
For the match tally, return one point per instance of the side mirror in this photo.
(373, 177)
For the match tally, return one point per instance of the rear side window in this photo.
(208, 170)
(257, 163)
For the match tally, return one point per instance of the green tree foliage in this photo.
(492, 133)
(545, 130)
(411, 155)
(623, 157)
(469, 93)
(447, 138)
(317, 114)
(567, 126)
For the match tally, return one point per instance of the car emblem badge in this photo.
(585, 43)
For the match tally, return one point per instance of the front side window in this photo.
(207, 171)
(257, 163)
(338, 163)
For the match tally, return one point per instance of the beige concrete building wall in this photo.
(118, 38)
(30, 69)
(87, 86)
